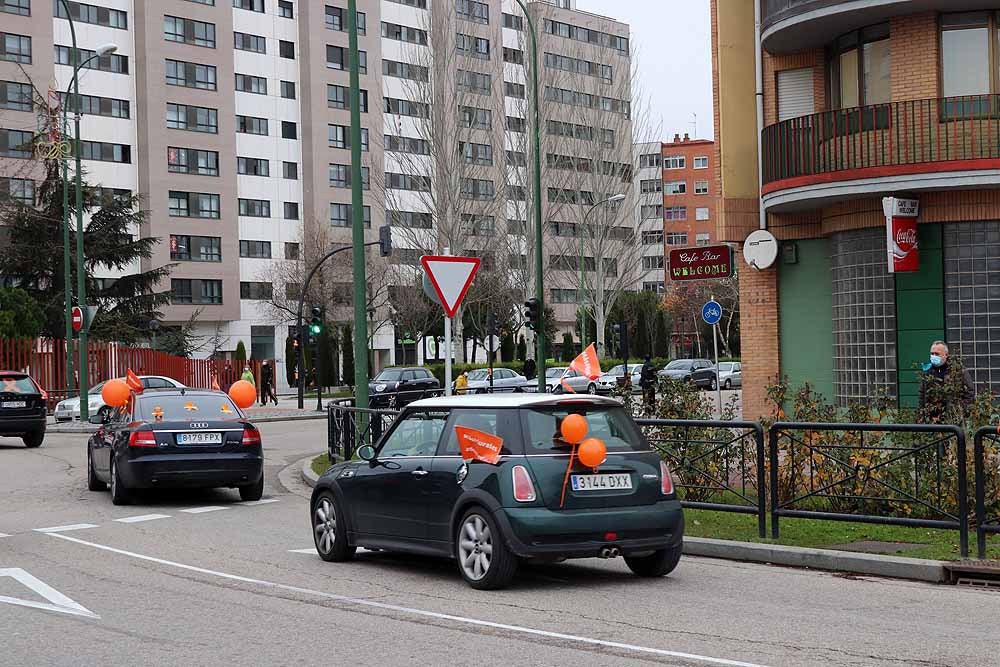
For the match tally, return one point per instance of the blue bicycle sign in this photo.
(711, 312)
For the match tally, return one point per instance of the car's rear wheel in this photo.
(657, 564)
(33, 439)
(329, 533)
(120, 494)
(105, 413)
(93, 484)
(485, 561)
(728, 384)
(254, 491)
(591, 388)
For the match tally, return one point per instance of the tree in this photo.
(20, 315)
(522, 349)
(568, 348)
(661, 335)
(641, 340)
(507, 347)
(411, 311)
(328, 361)
(551, 329)
(241, 353)
(348, 355)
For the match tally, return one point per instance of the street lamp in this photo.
(613, 200)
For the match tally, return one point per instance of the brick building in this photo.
(689, 191)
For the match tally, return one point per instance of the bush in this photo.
(568, 347)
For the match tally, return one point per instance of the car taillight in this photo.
(666, 481)
(142, 439)
(251, 436)
(524, 490)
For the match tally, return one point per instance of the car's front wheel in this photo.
(33, 439)
(254, 491)
(484, 560)
(591, 388)
(330, 530)
(93, 484)
(657, 564)
(713, 384)
(120, 494)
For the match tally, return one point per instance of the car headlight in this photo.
(380, 387)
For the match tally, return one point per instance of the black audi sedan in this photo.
(22, 408)
(175, 438)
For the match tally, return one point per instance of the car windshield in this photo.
(201, 407)
(554, 372)
(615, 370)
(17, 384)
(611, 425)
(389, 375)
(726, 366)
(679, 365)
(480, 374)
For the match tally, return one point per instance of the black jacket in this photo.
(939, 374)
(647, 376)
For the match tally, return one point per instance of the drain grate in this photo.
(976, 574)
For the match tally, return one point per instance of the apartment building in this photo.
(650, 222)
(231, 118)
(689, 191)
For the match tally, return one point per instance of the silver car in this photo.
(555, 377)
(504, 380)
(69, 409)
(730, 374)
(609, 381)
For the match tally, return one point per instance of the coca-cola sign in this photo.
(701, 263)
(901, 234)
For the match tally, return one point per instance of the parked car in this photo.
(175, 438)
(699, 371)
(399, 386)
(413, 491)
(730, 374)
(504, 380)
(69, 409)
(609, 381)
(22, 408)
(555, 377)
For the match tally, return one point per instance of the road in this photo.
(229, 584)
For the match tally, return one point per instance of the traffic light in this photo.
(533, 314)
(385, 240)
(295, 340)
(316, 326)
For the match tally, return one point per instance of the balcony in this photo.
(788, 26)
(930, 144)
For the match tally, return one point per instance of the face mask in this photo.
(936, 360)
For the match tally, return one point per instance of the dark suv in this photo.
(395, 387)
(22, 408)
(415, 492)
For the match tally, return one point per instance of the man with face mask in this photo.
(938, 371)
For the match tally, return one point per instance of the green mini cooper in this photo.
(414, 491)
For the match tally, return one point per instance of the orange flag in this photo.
(587, 364)
(565, 385)
(477, 445)
(133, 381)
(215, 385)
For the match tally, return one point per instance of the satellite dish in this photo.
(760, 249)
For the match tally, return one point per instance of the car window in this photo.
(612, 425)
(479, 374)
(554, 372)
(195, 407)
(389, 375)
(14, 384)
(156, 383)
(421, 374)
(408, 376)
(679, 364)
(417, 434)
(501, 423)
(738, 367)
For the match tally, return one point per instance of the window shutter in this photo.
(795, 93)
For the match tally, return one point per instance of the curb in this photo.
(896, 567)
(308, 475)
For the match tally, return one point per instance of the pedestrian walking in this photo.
(462, 382)
(647, 380)
(529, 369)
(944, 385)
(248, 375)
(267, 384)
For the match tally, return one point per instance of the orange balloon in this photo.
(592, 452)
(574, 428)
(115, 393)
(243, 394)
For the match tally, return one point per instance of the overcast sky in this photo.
(671, 40)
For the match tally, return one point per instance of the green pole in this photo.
(536, 140)
(357, 215)
(67, 268)
(81, 271)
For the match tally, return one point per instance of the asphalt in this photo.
(226, 585)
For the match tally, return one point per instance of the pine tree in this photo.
(241, 354)
(661, 336)
(568, 347)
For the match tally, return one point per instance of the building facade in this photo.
(689, 192)
(862, 100)
(231, 119)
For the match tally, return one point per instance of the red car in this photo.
(22, 408)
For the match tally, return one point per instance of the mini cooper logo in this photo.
(199, 424)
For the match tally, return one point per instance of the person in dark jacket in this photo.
(938, 374)
(267, 384)
(647, 380)
(529, 369)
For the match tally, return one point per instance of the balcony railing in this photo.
(773, 11)
(882, 138)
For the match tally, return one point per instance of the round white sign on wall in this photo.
(760, 249)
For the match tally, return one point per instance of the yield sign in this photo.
(451, 277)
(56, 600)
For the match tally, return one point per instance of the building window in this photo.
(412, 219)
(478, 189)
(474, 118)
(701, 213)
(337, 98)
(192, 161)
(336, 19)
(291, 251)
(109, 18)
(250, 5)
(255, 208)
(19, 190)
(404, 33)
(106, 152)
(414, 182)
(701, 162)
(340, 137)
(245, 83)
(19, 7)
(515, 124)
(472, 153)
(290, 170)
(191, 75)
(578, 66)
(652, 237)
(702, 239)
(289, 130)
(558, 295)
(286, 49)
(288, 90)
(478, 225)
(513, 21)
(195, 248)
(649, 160)
(15, 48)
(187, 31)
(253, 166)
(516, 158)
(340, 216)
(19, 97)
(285, 9)
(90, 104)
(675, 213)
(255, 291)
(193, 119)
(674, 187)
(63, 56)
(340, 176)
(255, 249)
(472, 46)
(401, 70)
(394, 144)
(588, 35)
(858, 66)
(246, 42)
(402, 107)
(649, 186)
(676, 238)
(473, 82)
(251, 125)
(290, 210)
(652, 286)
(192, 205)
(515, 90)
(651, 262)
(701, 187)
(513, 56)
(470, 10)
(674, 162)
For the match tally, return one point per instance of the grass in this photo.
(938, 544)
(320, 463)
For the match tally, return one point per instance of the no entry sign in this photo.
(77, 318)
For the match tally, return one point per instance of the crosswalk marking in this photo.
(202, 510)
(142, 517)
(63, 529)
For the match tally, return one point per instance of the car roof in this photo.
(21, 373)
(512, 401)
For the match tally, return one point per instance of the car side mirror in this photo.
(366, 453)
(98, 419)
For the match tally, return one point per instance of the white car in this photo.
(554, 378)
(69, 409)
(608, 382)
(730, 374)
(504, 380)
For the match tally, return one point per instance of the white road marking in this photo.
(142, 517)
(519, 629)
(310, 550)
(58, 601)
(4, 535)
(202, 510)
(265, 501)
(63, 529)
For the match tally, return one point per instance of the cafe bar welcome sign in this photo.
(715, 261)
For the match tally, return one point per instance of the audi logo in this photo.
(199, 424)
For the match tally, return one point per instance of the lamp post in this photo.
(536, 140)
(613, 199)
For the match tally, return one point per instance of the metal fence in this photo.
(718, 465)
(891, 474)
(986, 455)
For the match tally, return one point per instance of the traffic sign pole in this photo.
(711, 312)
